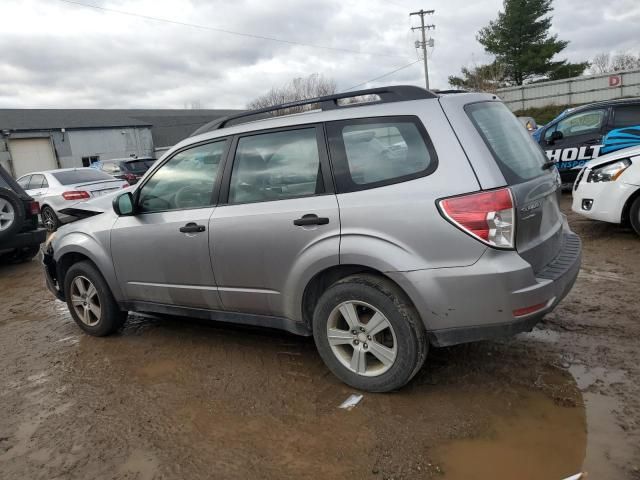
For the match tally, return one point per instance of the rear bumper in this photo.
(25, 239)
(606, 199)
(478, 302)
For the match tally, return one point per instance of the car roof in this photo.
(126, 159)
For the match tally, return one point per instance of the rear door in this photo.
(38, 186)
(507, 155)
(625, 128)
(278, 216)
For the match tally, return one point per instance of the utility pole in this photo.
(423, 28)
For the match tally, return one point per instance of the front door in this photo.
(161, 254)
(280, 218)
(576, 139)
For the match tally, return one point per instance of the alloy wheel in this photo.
(48, 220)
(85, 301)
(7, 214)
(362, 338)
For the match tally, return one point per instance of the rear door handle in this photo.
(192, 228)
(310, 219)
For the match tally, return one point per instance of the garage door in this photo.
(31, 155)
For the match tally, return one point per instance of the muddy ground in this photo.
(176, 398)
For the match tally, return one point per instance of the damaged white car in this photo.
(608, 188)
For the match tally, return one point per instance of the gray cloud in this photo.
(60, 55)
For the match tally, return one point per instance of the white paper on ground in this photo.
(351, 402)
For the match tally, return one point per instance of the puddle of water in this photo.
(537, 440)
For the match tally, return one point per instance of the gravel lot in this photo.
(175, 398)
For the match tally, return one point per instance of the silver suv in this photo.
(380, 228)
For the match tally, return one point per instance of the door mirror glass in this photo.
(123, 204)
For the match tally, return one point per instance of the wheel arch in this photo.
(625, 220)
(76, 247)
(324, 279)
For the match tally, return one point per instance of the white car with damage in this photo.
(608, 188)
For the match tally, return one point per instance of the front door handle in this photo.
(192, 228)
(310, 219)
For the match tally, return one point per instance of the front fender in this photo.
(95, 250)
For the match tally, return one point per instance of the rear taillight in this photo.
(488, 216)
(34, 208)
(75, 195)
(130, 177)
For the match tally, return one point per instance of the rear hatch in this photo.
(502, 153)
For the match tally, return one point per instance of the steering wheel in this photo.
(187, 197)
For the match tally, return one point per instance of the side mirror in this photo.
(123, 204)
(555, 136)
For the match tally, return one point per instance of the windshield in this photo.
(85, 175)
(517, 155)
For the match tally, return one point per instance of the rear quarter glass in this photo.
(518, 156)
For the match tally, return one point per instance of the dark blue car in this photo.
(580, 134)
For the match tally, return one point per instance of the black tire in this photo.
(49, 219)
(111, 317)
(10, 204)
(634, 215)
(392, 302)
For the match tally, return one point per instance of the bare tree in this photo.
(624, 61)
(601, 63)
(481, 78)
(301, 88)
(605, 63)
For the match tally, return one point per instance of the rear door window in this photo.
(626, 116)
(374, 152)
(37, 181)
(516, 153)
(276, 166)
(24, 181)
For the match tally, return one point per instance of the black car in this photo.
(129, 169)
(20, 235)
(577, 135)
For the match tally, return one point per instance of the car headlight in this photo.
(609, 172)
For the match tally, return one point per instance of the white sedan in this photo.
(56, 190)
(608, 188)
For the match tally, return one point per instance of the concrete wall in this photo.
(72, 145)
(573, 91)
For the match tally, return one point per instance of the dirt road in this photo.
(175, 398)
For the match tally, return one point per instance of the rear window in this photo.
(138, 166)
(626, 116)
(70, 177)
(516, 153)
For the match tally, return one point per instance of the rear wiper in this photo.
(548, 164)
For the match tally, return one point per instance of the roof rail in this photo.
(399, 93)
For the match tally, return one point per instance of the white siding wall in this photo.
(573, 91)
(105, 143)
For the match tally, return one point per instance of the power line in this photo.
(222, 30)
(382, 76)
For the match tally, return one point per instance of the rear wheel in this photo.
(11, 213)
(368, 333)
(634, 215)
(49, 219)
(90, 301)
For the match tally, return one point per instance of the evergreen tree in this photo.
(520, 40)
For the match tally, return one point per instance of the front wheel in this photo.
(90, 301)
(368, 333)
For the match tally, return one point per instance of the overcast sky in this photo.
(56, 54)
